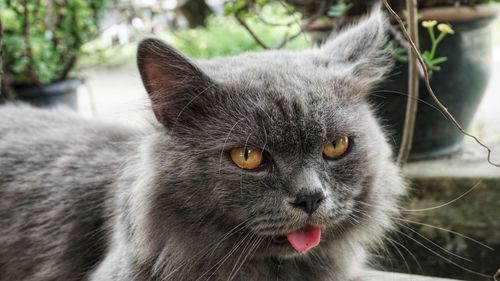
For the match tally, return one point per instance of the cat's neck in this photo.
(222, 261)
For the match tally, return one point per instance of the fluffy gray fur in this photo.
(84, 200)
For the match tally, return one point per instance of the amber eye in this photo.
(247, 158)
(337, 148)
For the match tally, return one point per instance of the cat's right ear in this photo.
(171, 79)
(358, 53)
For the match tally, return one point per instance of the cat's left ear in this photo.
(171, 79)
(359, 51)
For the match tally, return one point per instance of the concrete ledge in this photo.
(470, 162)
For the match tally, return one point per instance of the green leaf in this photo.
(398, 52)
(261, 2)
(406, 15)
(339, 10)
(439, 60)
(240, 4)
(427, 55)
(229, 9)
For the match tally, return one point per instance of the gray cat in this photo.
(263, 166)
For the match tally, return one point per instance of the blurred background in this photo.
(81, 54)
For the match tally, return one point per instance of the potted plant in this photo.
(459, 78)
(460, 65)
(41, 44)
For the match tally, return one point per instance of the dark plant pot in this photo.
(459, 85)
(62, 93)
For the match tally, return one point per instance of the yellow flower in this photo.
(445, 28)
(429, 23)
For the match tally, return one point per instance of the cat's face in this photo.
(278, 147)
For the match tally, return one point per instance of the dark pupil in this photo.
(245, 154)
(334, 144)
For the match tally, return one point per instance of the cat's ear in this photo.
(171, 79)
(359, 51)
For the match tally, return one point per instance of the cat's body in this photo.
(57, 179)
(81, 200)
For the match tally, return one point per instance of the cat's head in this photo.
(275, 146)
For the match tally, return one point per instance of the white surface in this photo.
(391, 276)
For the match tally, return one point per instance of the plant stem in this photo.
(431, 33)
(411, 105)
(433, 39)
(435, 43)
(74, 48)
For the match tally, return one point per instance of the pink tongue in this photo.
(305, 238)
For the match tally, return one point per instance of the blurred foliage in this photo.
(327, 15)
(224, 36)
(43, 38)
(96, 54)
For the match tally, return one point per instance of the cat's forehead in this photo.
(284, 120)
(270, 70)
(286, 93)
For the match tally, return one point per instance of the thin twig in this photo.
(411, 105)
(291, 12)
(286, 38)
(496, 275)
(250, 31)
(30, 70)
(401, 41)
(266, 22)
(441, 107)
(321, 11)
(398, 37)
(303, 27)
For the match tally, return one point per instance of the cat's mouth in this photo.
(302, 239)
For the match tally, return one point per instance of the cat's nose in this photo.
(309, 202)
